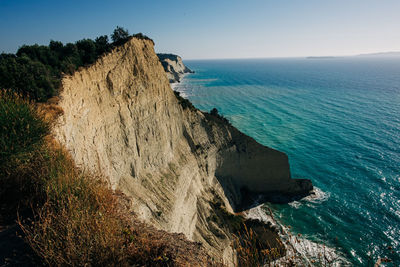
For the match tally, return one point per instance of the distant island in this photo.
(323, 57)
(381, 54)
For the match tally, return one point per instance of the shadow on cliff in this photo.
(242, 199)
(250, 173)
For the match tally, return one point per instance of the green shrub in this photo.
(185, 103)
(21, 156)
(36, 70)
(120, 35)
(21, 131)
(214, 113)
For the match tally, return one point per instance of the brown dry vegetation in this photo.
(253, 249)
(83, 222)
(255, 242)
(67, 216)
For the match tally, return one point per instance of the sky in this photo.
(213, 28)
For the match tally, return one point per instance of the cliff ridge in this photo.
(122, 119)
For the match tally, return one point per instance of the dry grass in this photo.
(49, 112)
(252, 250)
(83, 222)
(22, 134)
(70, 217)
(255, 242)
(78, 222)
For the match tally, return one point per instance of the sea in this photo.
(338, 119)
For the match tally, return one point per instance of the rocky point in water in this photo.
(174, 67)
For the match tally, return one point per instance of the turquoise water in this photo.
(338, 120)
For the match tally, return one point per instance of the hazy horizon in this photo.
(214, 30)
(374, 54)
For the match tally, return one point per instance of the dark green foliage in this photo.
(141, 36)
(120, 35)
(21, 128)
(214, 112)
(36, 70)
(102, 45)
(56, 46)
(185, 103)
(21, 135)
(27, 76)
(87, 49)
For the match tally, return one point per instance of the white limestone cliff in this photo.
(173, 67)
(122, 119)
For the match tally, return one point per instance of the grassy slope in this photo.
(69, 217)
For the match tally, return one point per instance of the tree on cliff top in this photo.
(120, 35)
(36, 70)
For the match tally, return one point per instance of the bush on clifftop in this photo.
(36, 70)
(120, 35)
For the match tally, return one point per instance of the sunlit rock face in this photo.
(122, 119)
(174, 67)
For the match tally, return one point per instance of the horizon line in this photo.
(387, 53)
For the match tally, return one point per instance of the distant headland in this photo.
(378, 54)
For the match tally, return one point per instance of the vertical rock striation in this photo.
(122, 119)
(173, 67)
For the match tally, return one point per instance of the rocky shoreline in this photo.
(174, 67)
(184, 171)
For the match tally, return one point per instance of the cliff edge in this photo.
(122, 119)
(173, 67)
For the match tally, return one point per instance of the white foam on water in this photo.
(204, 80)
(307, 252)
(173, 85)
(299, 249)
(180, 87)
(317, 196)
(295, 204)
(260, 214)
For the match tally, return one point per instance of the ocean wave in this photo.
(179, 87)
(316, 197)
(322, 109)
(299, 249)
(203, 80)
(183, 93)
(295, 204)
(174, 85)
(309, 253)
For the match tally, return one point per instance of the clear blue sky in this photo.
(213, 28)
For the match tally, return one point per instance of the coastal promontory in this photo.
(174, 67)
(122, 119)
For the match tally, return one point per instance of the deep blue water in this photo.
(339, 122)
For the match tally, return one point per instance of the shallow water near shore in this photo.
(339, 122)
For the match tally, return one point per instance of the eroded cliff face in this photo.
(173, 67)
(122, 119)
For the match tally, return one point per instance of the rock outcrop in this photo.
(122, 119)
(174, 67)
